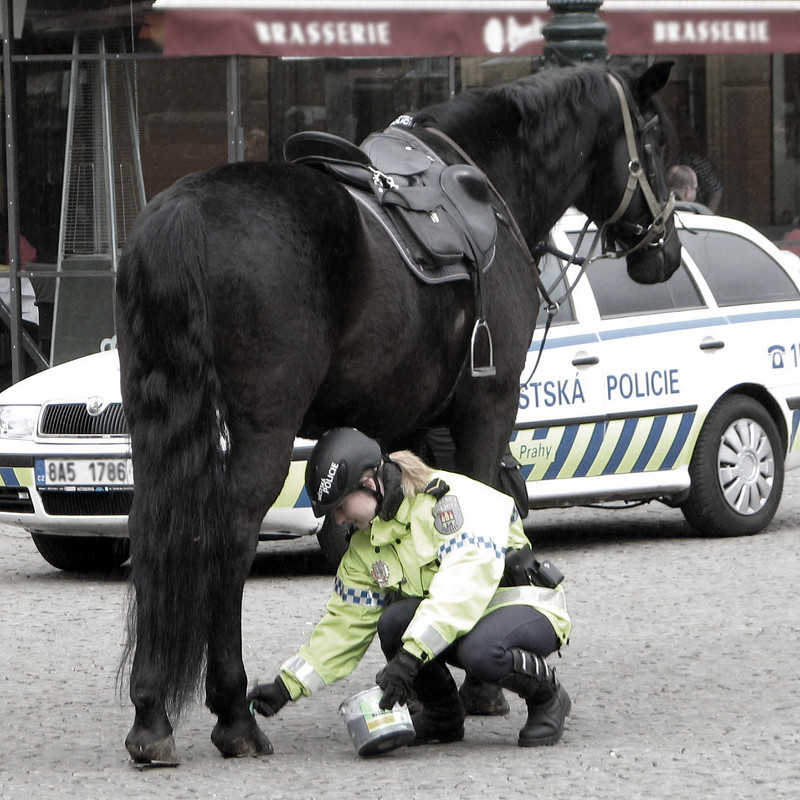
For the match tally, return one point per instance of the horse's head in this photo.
(629, 197)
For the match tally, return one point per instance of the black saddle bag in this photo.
(427, 225)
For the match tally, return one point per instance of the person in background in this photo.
(709, 186)
(44, 288)
(682, 182)
(438, 565)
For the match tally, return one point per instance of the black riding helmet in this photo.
(337, 462)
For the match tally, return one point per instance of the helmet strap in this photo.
(391, 480)
(377, 492)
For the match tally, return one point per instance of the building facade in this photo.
(107, 103)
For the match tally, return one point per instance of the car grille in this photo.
(15, 499)
(86, 504)
(72, 419)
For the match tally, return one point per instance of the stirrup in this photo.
(488, 370)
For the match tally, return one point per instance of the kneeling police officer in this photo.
(439, 566)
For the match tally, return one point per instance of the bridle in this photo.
(654, 234)
(651, 236)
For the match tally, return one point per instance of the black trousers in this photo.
(483, 653)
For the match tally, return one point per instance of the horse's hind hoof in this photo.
(233, 743)
(157, 753)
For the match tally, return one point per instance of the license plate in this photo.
(84, 472)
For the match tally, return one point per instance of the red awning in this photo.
(468, 28)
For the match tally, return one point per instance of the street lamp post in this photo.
(575, 31)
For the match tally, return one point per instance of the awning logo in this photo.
(511, 36)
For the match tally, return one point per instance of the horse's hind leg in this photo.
(150, 739)
(236, 732)
(258, 470)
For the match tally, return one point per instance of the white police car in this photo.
(65, 468)
(686, 392)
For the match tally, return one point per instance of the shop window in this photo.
(350, 98)
(182, 111)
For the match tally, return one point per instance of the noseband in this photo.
(653, 234)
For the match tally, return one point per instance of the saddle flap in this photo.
(413, 198)
(466, 188)
(430, 232)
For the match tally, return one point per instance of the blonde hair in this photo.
(415, 473)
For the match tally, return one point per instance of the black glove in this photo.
(396, 678)
(269, 698)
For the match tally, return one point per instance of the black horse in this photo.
(256, 302)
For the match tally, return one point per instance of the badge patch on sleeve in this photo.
(447, 516)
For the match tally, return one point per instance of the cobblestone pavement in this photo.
(683, 670)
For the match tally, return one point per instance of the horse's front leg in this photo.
(236, 733)
(481, 427)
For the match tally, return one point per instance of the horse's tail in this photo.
(180, 520)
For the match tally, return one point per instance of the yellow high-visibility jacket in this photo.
(449, 551)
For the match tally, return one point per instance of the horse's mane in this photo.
(489, 123)
(534, 108)
(539, 110)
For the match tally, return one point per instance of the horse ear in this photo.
(651, 81)
(561, 59)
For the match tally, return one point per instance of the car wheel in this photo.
(82, 553)
(333, 540)
(736, 470)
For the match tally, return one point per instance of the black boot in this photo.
(548, 702)
(442, 716)
(483, 699)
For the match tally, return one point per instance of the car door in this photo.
(658, 346)
(561, 409)
(761, 302)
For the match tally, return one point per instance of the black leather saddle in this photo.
(442, 212)
(442, 219)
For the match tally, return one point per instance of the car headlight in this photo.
(18, 422)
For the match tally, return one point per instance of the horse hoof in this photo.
(233, 744)
(155, 753)
(483, 699)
